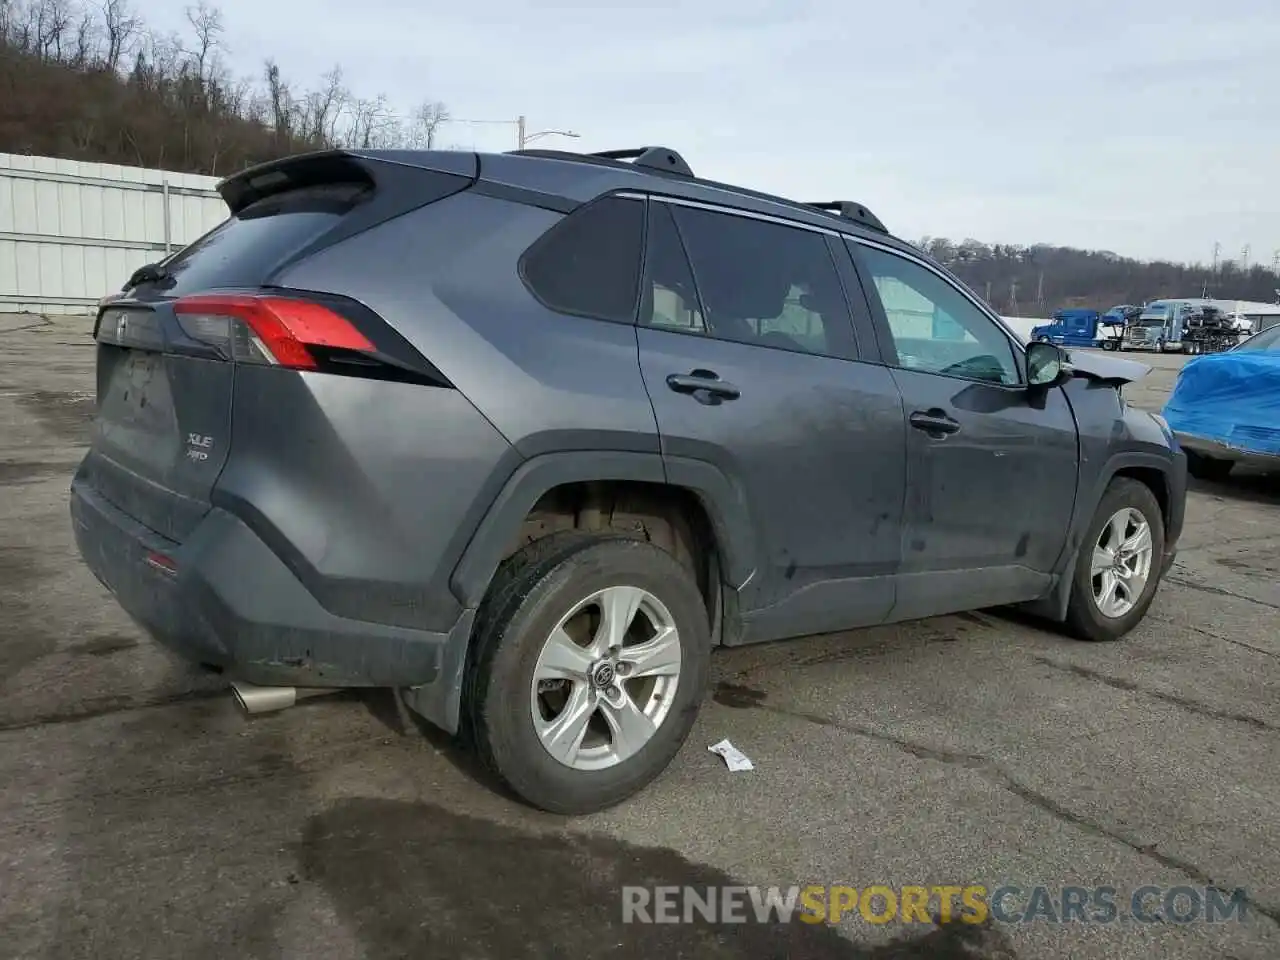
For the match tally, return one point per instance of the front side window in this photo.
(934, 326)
(751, 282)
(589, 263)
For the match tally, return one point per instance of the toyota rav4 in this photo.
(524, 436)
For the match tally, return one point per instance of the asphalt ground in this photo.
(142, 816)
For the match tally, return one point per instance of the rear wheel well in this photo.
(1155, 481)
(672, 518)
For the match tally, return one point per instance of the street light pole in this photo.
(523, 136)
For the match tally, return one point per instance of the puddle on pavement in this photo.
(737, 696)
(418, 880)
(25, 471)
(24, 634)
(66, 415)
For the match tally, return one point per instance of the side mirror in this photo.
(1046, 365)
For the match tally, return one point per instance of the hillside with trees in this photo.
(1034, 281)
(88, 80)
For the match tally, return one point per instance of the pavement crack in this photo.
(1129, 686)
(1217, 636)
(112, 705)
(994, 774)
(1219, 592)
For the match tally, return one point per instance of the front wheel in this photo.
(1118, 569)
(590, 666)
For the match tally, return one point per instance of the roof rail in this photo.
(850, 210)
(656, 158)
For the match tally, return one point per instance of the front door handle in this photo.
(704, 385)
(934, 422)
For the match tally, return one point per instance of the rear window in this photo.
(243, 250)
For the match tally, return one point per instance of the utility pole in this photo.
(1040, 290)
(1013, 296)
(520, 132)
(1217, 251)
(1275, 264)
(1244, 259)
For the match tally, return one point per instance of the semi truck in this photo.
(1082, 328)
(1191, 325)
(1159, 327)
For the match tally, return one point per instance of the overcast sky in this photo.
(1146, 127)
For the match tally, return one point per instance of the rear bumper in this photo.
(1222, 450)
(231, 603)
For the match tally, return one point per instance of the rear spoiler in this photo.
(324, 167)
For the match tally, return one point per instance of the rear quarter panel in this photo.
(446, 278)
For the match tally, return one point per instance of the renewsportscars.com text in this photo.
(968, 903)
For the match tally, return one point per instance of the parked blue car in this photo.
(1225, 408)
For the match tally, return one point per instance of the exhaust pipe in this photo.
(253, 700)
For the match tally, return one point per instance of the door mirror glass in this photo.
(1046, 364)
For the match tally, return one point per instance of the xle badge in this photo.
(198, 447)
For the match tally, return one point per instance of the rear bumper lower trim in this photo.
(231, 603)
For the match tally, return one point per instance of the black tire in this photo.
(1108, 344)
(1084, 620)
(531, 592)
(1213, 469)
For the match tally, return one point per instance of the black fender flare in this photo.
(1054, 606)
(440, 701)
(723, 501)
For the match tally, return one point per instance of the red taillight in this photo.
(162, 563)
(279, 328)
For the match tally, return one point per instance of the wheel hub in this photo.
(603, 673)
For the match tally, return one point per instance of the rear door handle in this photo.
(704, 385)
(934, 422)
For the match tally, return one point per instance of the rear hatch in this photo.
(169, 348)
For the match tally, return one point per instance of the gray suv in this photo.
(525, 436)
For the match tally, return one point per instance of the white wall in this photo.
(72, 232)
(1022, 325)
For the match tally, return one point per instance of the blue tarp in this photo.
(1233, 398)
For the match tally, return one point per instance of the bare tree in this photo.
(122, 27)
(324, 107)
(53, 18)
(372, 125)
(426, 123)
(86, 40)
(281, 102)
(206, 21)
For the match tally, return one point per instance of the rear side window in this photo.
(588, 264)
(244, 250)
(765, 283)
